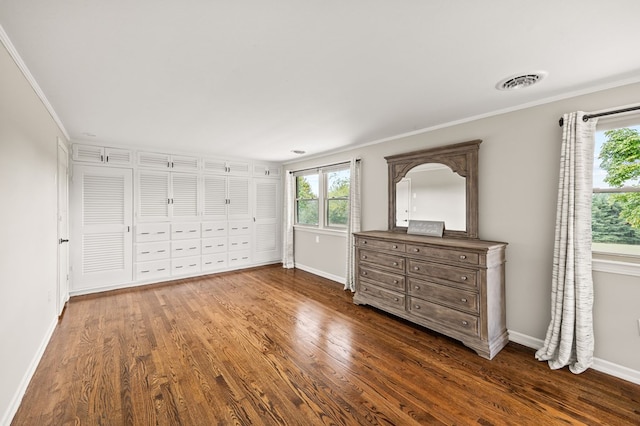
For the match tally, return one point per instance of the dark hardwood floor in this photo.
(284, 347)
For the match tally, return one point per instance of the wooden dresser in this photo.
(452, 286)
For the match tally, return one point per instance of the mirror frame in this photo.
(462, 158)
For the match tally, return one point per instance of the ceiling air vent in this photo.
(521, 81)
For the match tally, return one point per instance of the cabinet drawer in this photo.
(239, 242)
(214, 245)
(452, 297)
(147, 232)
(214, 229)
(240, 228)
(185, 265)
(181, 231)
(211, 262)
(153, 270)
(239, 258)
(382, 259)
(385, 279)
(450, 318)
(382, 245)
(450, 274)
(460, 256)
(185, 248)
(153, 251)
(381, 295)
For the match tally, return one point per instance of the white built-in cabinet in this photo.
(191, 215)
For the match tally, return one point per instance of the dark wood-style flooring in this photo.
(284, 347)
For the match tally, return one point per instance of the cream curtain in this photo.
(353, 222)
(569, 340)
(289, 215)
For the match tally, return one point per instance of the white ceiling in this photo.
(256, 78)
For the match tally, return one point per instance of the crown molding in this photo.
(4, 38)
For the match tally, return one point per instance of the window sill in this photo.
(315, 230)
(615, 264)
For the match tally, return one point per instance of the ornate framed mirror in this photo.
(436, 184)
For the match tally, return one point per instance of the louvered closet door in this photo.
(153, 196)
(184, 197)
(101, 223)
(215, 197)
(267, 220)
(238, 194)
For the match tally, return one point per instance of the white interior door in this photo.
(266, 240)
(102, 207)
(63, 228)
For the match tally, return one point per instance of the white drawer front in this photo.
(185, 265)
(214, 245)
(240, 228)
(239, 242)
(212, 262)
(183, 231)
(185, 248)
(147, 232)
(214, 229)
(238, 258)
(153, 251)
(153, 270)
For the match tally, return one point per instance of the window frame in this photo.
(323, 198)
(610, 260)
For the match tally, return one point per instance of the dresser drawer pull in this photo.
(364, 256)
(416, 306)
(396, 299)
(395, 281)
(364, 242)
(395, 246)
(416, 250)
(463, 278)
(416, 268)
(463, 257)
(465, 323)
(395, 263)
(417, 287)
(364, 289)
(463, 300)
(364, 272)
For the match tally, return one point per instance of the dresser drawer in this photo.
(443, 295)
(459, 256)
(214, 229)
(148, 232)
(153, 270)
(239, 258)
(450, 318)
(239, 242)
(450, 274)
(185, 265)
(386, 279)
(382, 260)
(381, 245)
(240, 228)
(215, 261)
(183, 231)
(214, 245)
(185, 248)
(153, 251)
(381, 296)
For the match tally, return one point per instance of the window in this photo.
(616, 189)
(322, 197)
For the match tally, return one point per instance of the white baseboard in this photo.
(19, 394)
(323, 274)
(601, 365)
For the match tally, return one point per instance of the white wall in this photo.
(518, 174)
(28, 253)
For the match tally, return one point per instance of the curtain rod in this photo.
(323, 166)
(586, 117)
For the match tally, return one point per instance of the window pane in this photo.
(307, 213)
(337, 213)
(338, 184)
(307, 187)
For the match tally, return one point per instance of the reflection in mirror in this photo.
(432, 191)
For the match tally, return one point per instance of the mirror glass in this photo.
(432, 191)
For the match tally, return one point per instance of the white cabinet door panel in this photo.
(153, 195)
